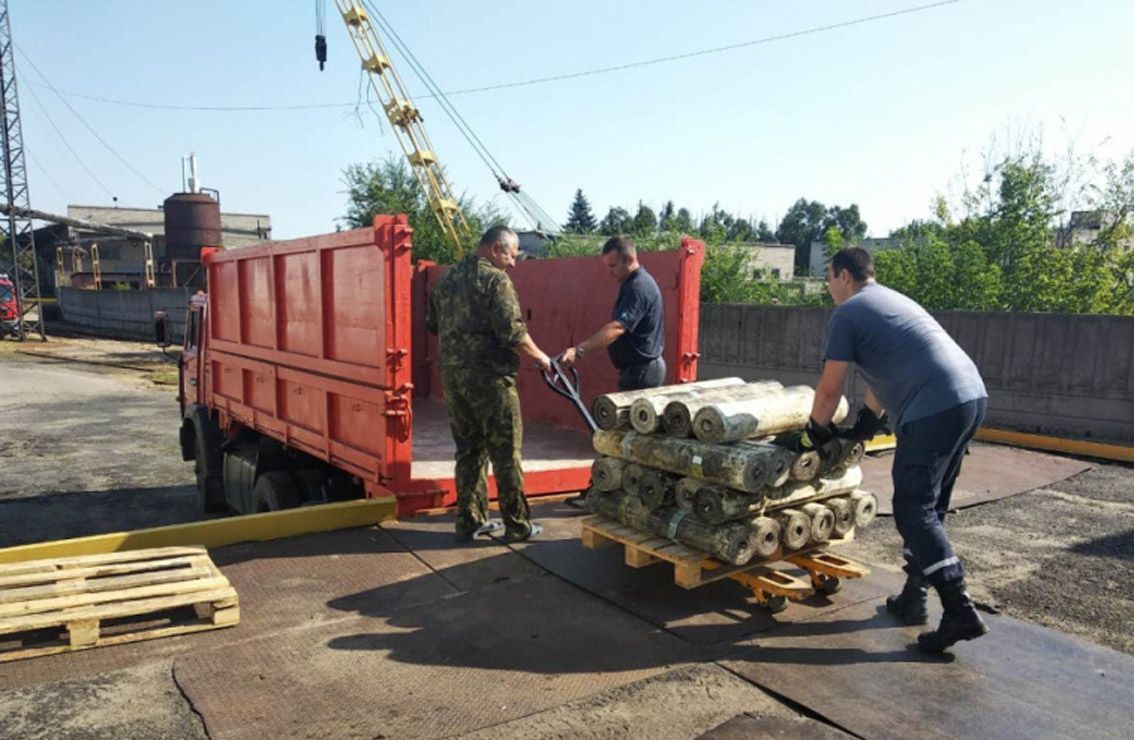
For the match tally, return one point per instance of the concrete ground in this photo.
(89, 447)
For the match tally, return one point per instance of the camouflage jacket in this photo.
(475, 314)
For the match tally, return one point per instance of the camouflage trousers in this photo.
(484, 416)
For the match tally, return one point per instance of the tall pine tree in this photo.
(580, 220)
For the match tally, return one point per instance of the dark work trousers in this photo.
(647, 375)
(926, 465)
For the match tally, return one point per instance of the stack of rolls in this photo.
(718, 466)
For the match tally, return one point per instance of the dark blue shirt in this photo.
(639, 310)
(914, 367)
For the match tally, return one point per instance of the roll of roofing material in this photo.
(606, 473)
(822, 522)
(795, 528)
(647, 412)
(786, 410)
(612, 410)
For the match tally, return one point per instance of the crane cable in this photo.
(536, 215)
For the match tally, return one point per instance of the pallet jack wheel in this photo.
(830, 585)
(776, 603)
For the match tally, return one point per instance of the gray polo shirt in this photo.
(913, 366)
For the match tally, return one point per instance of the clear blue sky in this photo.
(883, 114)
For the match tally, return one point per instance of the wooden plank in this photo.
(77, 601)
(593, 540)
(111, 611)
(230, 618)
(54, 565)
(636, 557)
(84, 585)
(98, 571)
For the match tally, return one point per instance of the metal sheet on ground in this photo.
(430, 538)
(426, 671)
(989, 472)
(857, 668)
(717, 612)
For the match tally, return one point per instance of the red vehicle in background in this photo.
(9, 308)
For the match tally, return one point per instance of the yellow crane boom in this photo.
(407, 122)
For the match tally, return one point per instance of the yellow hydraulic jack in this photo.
(772, 588)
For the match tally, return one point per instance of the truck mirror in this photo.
(161, 332)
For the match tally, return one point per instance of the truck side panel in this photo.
(565, 301)
(298, 349)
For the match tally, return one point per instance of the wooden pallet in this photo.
(65, 604)
(693, 568)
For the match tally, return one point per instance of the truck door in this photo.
(191, 390)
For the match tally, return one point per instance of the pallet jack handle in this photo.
(568, 386)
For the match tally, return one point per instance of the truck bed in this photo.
(546, 447)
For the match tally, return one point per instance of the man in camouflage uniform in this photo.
(475, 314)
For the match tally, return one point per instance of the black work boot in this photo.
(960, 620)
(909, 606)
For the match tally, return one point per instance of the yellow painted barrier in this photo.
(216, 532)
(1120, 453)
(1100, 450)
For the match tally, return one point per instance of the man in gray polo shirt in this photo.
(936, 400)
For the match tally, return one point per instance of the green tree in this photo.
(683, 222)
(806, 222)
(764, 232)
(645, 222)
(666, 217)
(580, 220)
(616, 221)
(801, 225)
(389, 187)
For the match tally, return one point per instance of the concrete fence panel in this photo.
(125, 314)
(1068, 376)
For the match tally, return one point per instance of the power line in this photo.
(537, 80)
(704, 52)
(94, 133)
(47, 176)
(93, 176)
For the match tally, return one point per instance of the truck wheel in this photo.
(275, 491)
(206, 464)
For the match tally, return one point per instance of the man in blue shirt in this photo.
(936, 400)
(635, 336)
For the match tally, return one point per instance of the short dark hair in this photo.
(856, 260)
(623, 245)
(496, 233)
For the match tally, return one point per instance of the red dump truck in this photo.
(307, 374)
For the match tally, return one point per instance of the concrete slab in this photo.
(141, 703)
(990, 472)
(856, 667)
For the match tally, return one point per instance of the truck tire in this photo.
(275, 491)
(207, 466)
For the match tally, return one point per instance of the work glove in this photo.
(823, 438)
(867, 425)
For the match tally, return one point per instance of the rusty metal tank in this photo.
(192, 221)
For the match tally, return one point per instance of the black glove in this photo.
(821, 438)
(867, 425)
